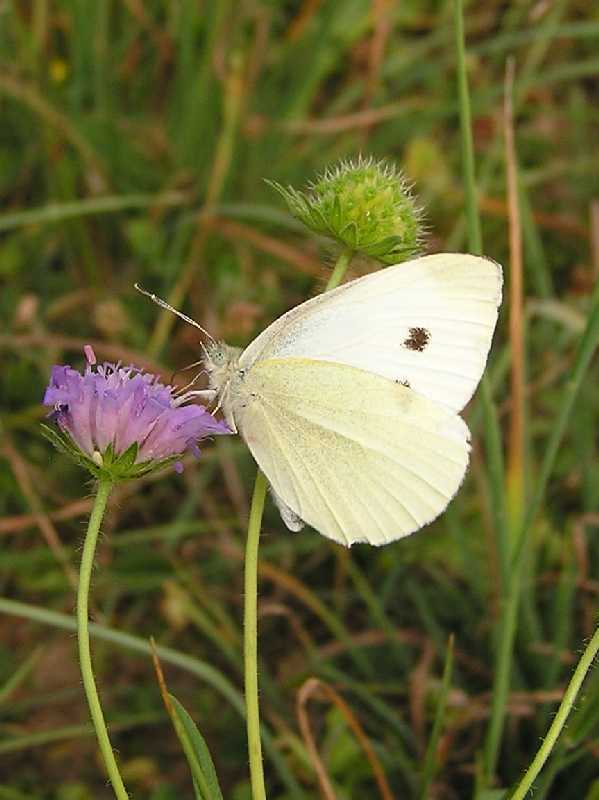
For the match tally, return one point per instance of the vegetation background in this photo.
(135, 138)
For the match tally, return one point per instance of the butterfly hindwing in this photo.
(355, 455)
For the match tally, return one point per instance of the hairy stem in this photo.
(87, 674)
(560, 718)
(250, 644)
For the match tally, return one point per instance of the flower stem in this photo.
(559, 721)
(89, 684)
(250, 644)
(250, 613)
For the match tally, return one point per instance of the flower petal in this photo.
(114, 406)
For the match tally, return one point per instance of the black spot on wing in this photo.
(418, 339)
(404, 382)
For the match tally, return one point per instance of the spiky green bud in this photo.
(364, 205)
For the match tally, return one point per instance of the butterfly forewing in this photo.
(427, 323)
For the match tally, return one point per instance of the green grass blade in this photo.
(196, 751)
(168, 655)
(430, 760)
(20, 675)
(108, 204)
(492, 431)
(475, 240)
(64, 733)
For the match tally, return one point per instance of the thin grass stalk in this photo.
(475, 241)
(515, 486)
(492, 431)
(430, 759)
(491, 426)
(53, 213)
(43, 738)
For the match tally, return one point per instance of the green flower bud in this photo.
(364, 205)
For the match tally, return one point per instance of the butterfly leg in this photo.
(223, 402)
(206, 395)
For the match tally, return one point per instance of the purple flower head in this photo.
(123, 420)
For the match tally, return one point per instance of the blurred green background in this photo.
(134, 140)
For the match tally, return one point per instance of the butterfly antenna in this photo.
(163, 304)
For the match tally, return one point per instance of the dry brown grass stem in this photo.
(419, 680)
(306, 691)
(162, 40)
(161, 679)
(230, 549)
(104, 350)
(331, 126)
(274, 247)
(581, 554)
(560, 223)
(302, 19)
(21, 522)
(20, 470)
(381, 28)
(276, 609)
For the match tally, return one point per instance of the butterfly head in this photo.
(221, 362)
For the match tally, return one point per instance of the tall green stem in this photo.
(560, 719)
(89, 684)
(492, 430)
(509, 611)
(250, 642)
(475, 241)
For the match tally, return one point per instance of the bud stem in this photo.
(340, 268)
(89, 684)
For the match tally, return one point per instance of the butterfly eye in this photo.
(217, 357)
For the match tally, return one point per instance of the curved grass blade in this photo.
(196, 751)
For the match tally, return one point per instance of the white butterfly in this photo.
(349, 401)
